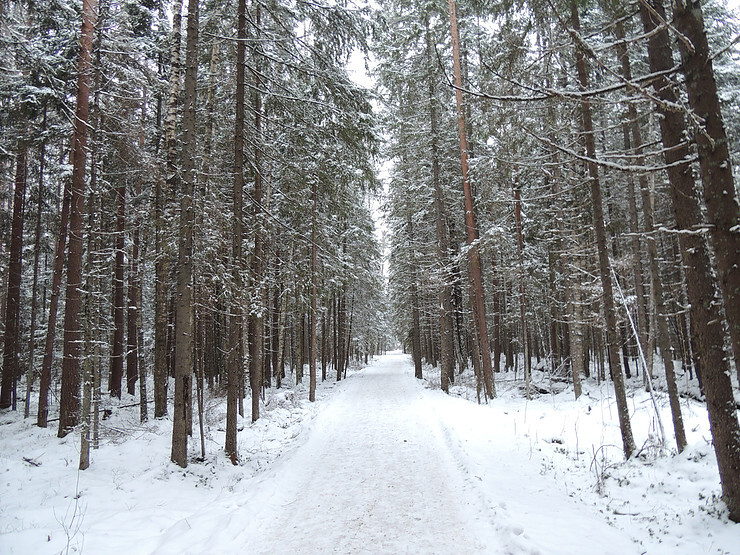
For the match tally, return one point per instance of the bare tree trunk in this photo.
(69, 406)
(522, 293)
(577, 339)
(92, 318)
(476, 277)
(720, 197)
(256, 325)
(415, 316)
(116, 357)
(132, 319)
(135, 332)
(31, 374)
(184, 305)
(700, 282)
(235, 326)
(324, 347)
(664, 341)
(11, 348)
(314, 294)
(163, 193)
(496, 283)
(603, 253)
(56, 283)
(446, 322)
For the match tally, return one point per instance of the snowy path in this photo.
(389, 467)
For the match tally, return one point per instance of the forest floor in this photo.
(382, 463)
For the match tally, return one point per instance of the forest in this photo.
(209, 203)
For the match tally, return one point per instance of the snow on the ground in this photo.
(381, 463)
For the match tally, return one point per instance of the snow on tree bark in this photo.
(184, 288)
(70, 395)
(701, 283)
(610, 317)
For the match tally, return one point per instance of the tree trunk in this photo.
(235, 326)
(34, 287)
(657, 296)
(446, 322)
(720, 197)
(415, 316)
(476, 277)
(69, 406)
(135, 333)
(132, 328)
(92, 318)
(256, 326)
(314, 294)
(11, 349)
(603, 253)
(163, 193)
(56, 283)
(184, 291)
(116, 357)
(522, 294)
(700, 283)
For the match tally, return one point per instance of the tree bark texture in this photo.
(664, 341)
(446, 321)
(476, 276)
(34, 286)
(314, 297)
(164, 189)
(116, 357)
(56, 284)
(184, 289)
(607, 303)
(69, 406)
(701, 284)
(256, 324)
(720, 199)
(11, 348)
(235, 326)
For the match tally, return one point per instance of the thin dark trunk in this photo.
(163, 199)
(522, 295)
(446, 322)
(135, 317)
(657, 295)
(184, 306)
(116, 357)
(314, 294)
(324, 342)
(256, 327)
(34, 286)
(11, 349)
(415, 317)
(603, 253)
(132, 318)
(56, 283)
(235, 326)
(69, 406)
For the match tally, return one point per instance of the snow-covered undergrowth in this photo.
(132, 492)
(544, 474)
(666, 503)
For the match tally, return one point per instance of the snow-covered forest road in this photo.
(390, 467)
(382, 463)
